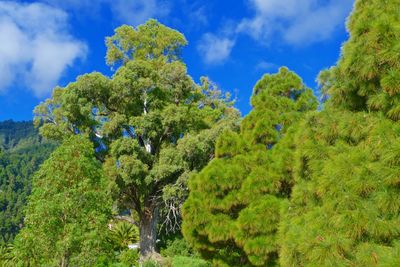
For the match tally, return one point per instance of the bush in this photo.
(151, 263)
(129, 257)
(181, 261)
(176, 247)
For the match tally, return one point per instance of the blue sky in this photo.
(49, 42)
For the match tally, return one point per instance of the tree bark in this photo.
(148, 230)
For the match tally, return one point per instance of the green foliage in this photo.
(344, 206)
(120, 235)
(181, 261)
(18, 135)
(367, 76)
(292, 187)
(232, 213)
(7, 257)
(176, 251)
(123, 234)
(149, 41)
(22, 151)
(129, 258)
(345, 203)
(176, 247)
(68, 210)
(151, 124)
(151, 263)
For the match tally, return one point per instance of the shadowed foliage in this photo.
(22, 150)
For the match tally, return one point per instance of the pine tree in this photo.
(344, 205)
(232, 213)
(367, 76)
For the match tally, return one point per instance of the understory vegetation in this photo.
(150, 168)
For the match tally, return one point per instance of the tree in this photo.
(151, 124)
(68, 210)
(344, 205)
(232, 213)
(367, 76)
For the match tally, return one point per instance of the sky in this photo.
(49, 43)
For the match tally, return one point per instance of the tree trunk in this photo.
(148, 231)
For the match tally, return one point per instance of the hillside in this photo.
(22, 151)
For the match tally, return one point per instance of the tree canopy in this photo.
(344, 206)
(151, 124)
(322, 192)
(367, 76)
(68, 210)
(232, 213)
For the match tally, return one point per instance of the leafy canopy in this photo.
(68, 210)
(232, 213)
(151, 124)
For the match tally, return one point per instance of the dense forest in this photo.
(22, 151)
(156, 169)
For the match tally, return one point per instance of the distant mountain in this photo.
(18, 135)
(22, 151)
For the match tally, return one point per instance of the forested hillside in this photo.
(22, 151)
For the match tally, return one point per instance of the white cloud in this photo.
(215, 50)
(297, 22)
(36, 47)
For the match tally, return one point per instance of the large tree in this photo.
(232, 213)
(344, 208)
(151, 124)
(67, 213)
(367, 76)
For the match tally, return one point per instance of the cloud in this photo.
(266, 66)
(36, 47)
(294, 22)
(297, 22)
(215, 50)
(199, 15)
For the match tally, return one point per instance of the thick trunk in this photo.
(148, 231)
